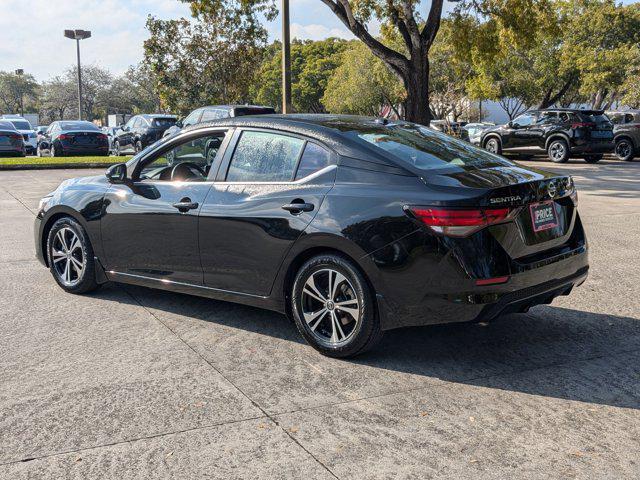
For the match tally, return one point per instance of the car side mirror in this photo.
(510, 125)
(179, 124)
(117, 173)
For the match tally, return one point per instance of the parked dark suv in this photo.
(626, 133)
(561, 133)
(216, 112)
(141, 131)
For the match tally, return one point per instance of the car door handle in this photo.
(185, 205)
(296, 208)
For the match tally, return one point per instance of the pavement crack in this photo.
(20, 201)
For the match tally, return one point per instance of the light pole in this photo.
(286, 59)
(19, 73)
(78, 35)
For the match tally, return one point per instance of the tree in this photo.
(58, 100)
(133, 92)
(362, 85)
(212, 60)
(17, 92)
(312, 64)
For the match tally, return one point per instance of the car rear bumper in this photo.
(85, 150)
(472, 303)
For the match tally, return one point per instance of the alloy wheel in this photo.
(557, 151)
(623, 149)
(68, 257)
(330, 307)
(492, 146)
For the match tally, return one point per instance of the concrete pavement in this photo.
(130, 382)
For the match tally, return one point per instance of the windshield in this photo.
(21, 124)
(78, 126)
(163, 122)
(426, 149)
(6, 125)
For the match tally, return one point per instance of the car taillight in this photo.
(15, 136)
(63, 136)
(457, 222)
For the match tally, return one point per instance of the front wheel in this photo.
(71, 259)
(558, 151)
(493, 145)
(138, 146)
(624, 150)
(593, 158)
(116, 148)
(333, 307)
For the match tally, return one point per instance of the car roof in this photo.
(570, 110)
(327, 128)
(151, 116)
(234, 106)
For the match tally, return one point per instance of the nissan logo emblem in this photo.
(552, 189)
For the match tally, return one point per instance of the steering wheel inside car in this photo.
(186, 171)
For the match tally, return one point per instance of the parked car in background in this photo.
(626, 133)
(73, 137)
(26, 130)
(215, 112)
(11, 141)
(110, 132)
(40, 129)
(140, 132)
(474, 131)
(349, 225)
(561, 132)
(450, 128)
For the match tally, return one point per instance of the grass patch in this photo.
(60, 160)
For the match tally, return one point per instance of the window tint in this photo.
(211, 114)
(313, 159)
(192, 118)
(566, 117)
(547, 117)
(163, 122)
(78, 126)
(424, 148)
(139, 123)
(264, 157)
(21, 124)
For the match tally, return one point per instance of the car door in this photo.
(522, 137)
(150, 223)
(269, 188)
(545, 122)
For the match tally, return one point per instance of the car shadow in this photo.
(550, 351)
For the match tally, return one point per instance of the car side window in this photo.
(131, 121)
(264, 157)
(565, 117)
(547, 118)
(314, 158)
(192, 118)
(524, 120)
(208, 115)
(188, 161)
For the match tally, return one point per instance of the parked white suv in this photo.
(26, 130)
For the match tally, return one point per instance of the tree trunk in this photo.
(416, 82)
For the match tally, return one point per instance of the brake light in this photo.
(15, 136)
(582, 124)
(63, 136)
(459, 222)
(492, 281)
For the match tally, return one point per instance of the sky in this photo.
(31, 32)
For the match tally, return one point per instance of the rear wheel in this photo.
(493, 145)
(56, 151)
(116, 148)
(70, 256)
(333, 307)
(138, 146)
(593, 158)
(558, 151)
(624, 150)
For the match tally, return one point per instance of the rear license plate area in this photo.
(602, 134)
(543, 216)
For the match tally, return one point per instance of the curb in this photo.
(60, 166)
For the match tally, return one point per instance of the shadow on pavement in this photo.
(550, 351)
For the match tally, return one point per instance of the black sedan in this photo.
(140, 132)
(349, 225)
(75, 137)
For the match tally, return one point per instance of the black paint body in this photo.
(240, 245)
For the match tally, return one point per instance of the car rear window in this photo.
(21, 124)
(595, 117)
(78, 125)
(163, 122)
(426, 149)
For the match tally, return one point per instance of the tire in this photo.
(116, 148)
(66, 257)
(624, 150)
(558, 151)
(593, 158)
(138, 147)
(328, 327)
(56, 152)
(493, 145)
(38, 152)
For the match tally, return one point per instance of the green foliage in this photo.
(196, 63)
(17, 91)
(312, 63)
(362, 84)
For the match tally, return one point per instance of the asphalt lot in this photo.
(134, 383)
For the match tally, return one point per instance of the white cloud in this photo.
(318, 32)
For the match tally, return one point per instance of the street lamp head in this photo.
(19, 71)
(77, 34)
